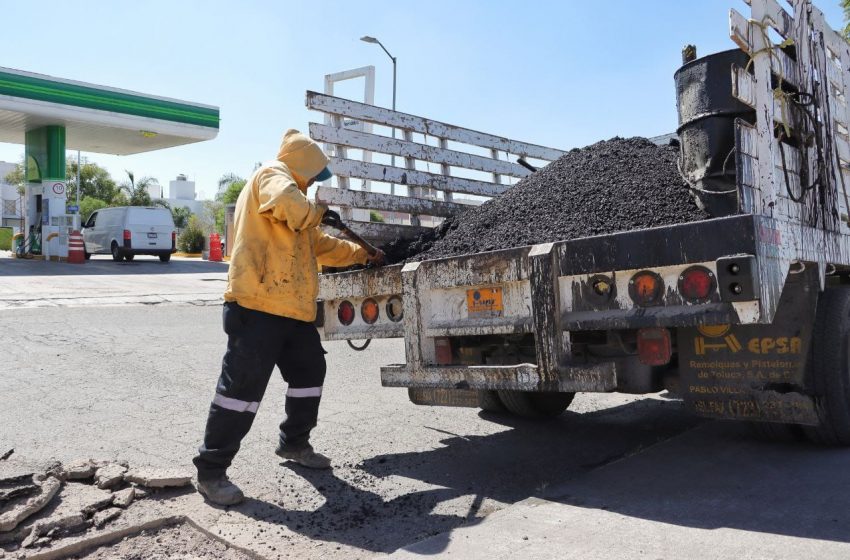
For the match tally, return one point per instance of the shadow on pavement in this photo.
(722, 476)
(525, 460)
(103, 266)
(716, 477)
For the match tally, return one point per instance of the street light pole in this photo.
(368, 39)
(392, 185)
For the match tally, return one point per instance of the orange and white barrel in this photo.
(76, 248)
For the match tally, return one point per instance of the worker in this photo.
(269, 311)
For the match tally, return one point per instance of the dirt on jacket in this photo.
(278, 246)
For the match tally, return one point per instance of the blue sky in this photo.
(558, 73)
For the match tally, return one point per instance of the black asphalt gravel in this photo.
(615, 185)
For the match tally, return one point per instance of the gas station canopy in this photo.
(97, 118)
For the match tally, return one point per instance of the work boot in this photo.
(220, 491)
(305, 457)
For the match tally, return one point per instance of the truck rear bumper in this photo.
(601, 377)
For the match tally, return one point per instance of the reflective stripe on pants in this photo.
(256, 343)
(306, 392)
(235, 404)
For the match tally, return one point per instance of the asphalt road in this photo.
(135, 382)
(615, 477)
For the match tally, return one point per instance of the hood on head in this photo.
(301, 155)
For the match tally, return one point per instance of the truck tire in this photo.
(829, 368)
(532, 404)
(490, 401)
(117, 256)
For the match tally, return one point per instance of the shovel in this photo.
(333, 220)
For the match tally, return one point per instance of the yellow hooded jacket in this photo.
(278, 246)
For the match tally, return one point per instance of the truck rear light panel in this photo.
(672, 295)
(681, 285)
(369, 317)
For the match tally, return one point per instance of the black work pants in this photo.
(256, 343)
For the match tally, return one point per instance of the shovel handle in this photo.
(333, 221)
(527, 165)
(370, 249)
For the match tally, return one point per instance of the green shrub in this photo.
(5, 239)
(375, 216)
(191, 239)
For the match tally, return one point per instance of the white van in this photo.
(127, 231)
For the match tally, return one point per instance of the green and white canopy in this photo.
(97, 118)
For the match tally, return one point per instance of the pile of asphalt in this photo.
(615, 185)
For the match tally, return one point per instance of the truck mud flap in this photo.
(600, 377)
(754, 372)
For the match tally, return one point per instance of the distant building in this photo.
(182, 194)
(10, 201)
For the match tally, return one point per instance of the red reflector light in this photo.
(443, 350)
(345, 313)
(173, 239)
(127, 234)
(369, 310)
(697, 284)
(645, 288)
(654, 347)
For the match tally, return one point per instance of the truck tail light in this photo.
(696, 284)
(173, 239)
(127, 238)
(645, 288)
(395, 309)
(602, 287)
(345, 313)
(369, 310)
(654, 347)
(443, 350)
(737, 278)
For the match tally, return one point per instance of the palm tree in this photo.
(845, 5)
(181, 216)
(226, 182)
(229, 178)
(138, 193)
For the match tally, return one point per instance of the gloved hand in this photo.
(331, 218)
(378, 259)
